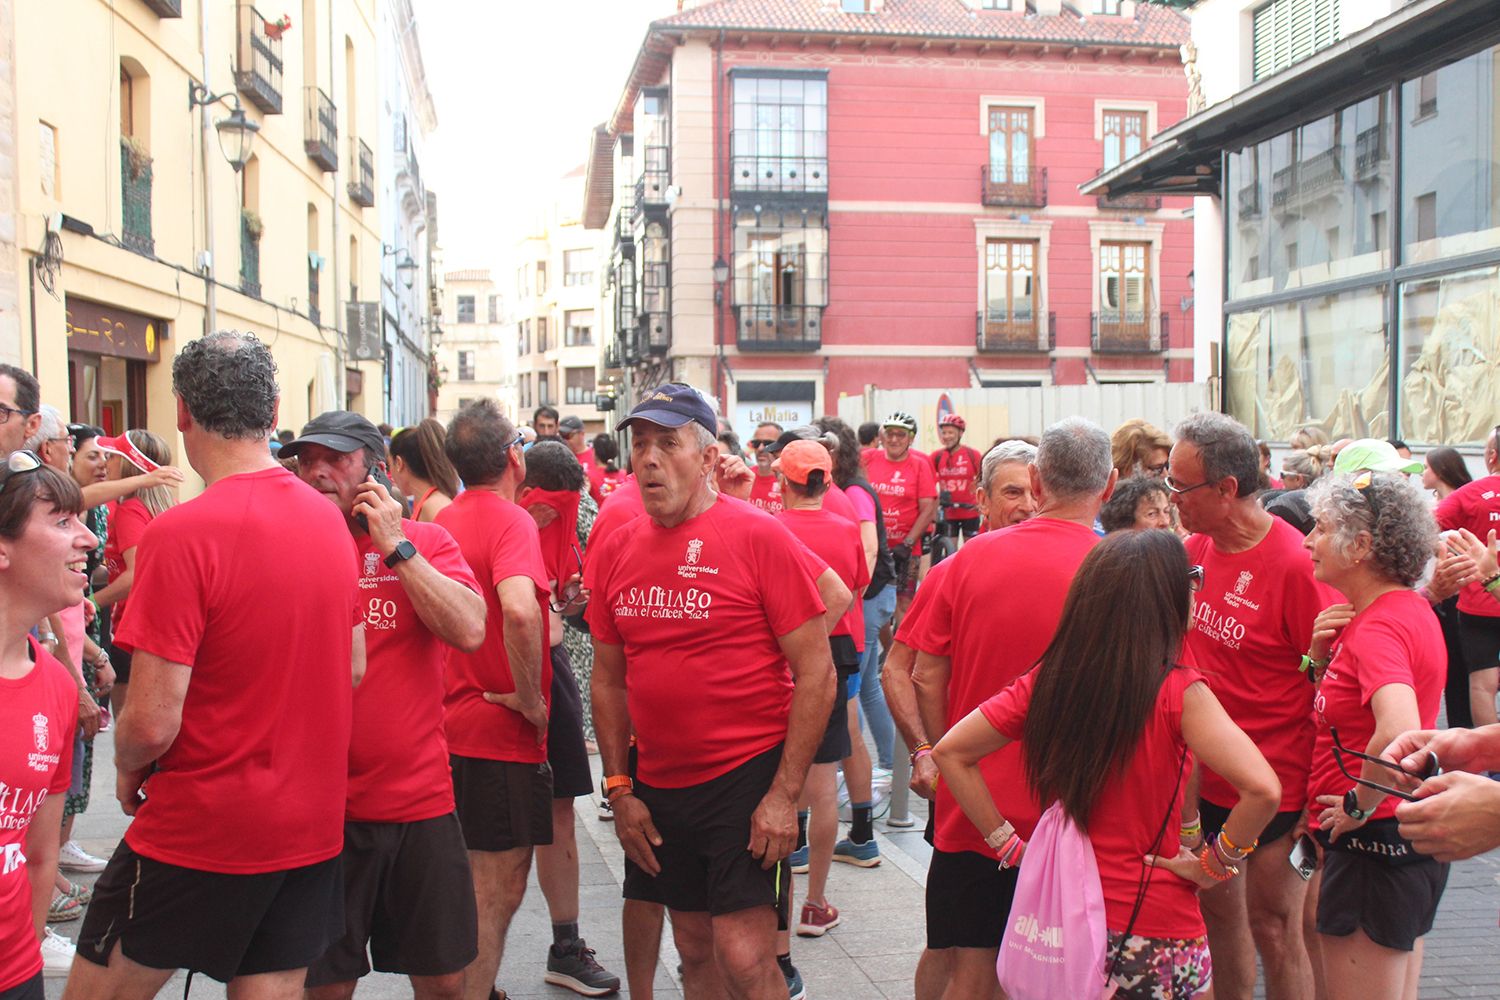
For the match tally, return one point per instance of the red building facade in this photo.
(808, 200)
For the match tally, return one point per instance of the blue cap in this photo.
(674, 404)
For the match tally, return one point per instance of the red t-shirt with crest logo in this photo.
(900, 485)
(698, 612)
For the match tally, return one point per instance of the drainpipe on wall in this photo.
(340, 325)
(722, 365)
(210, 281)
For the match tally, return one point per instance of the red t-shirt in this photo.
(602, 484)
(1127, 817)
(498, 540)
(698, 612)
(836, 501)
(252, 586)
(958, 473)
(766, 493)
(1252, 621)
(624, 506)
(912, 632)
(38, 714)
(585, 458)
(835, 540)
(127, 523)
(1475, 506)
(900, 485)
(398, 756)
(1396, 640)
(993, 631)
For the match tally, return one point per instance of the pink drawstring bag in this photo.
(1054, 945)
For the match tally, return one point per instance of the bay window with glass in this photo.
(780, 279)
(778, 140)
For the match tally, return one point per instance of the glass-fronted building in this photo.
(1360, 199)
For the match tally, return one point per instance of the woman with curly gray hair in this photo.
(1379, 664)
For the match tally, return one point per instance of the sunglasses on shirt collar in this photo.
(1431, 768)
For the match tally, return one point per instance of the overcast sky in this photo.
(519, 86)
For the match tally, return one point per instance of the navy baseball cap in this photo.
(674, 404)
(339, 430)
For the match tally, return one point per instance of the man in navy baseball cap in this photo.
(674, 404)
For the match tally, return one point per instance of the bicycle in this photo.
(949, 533)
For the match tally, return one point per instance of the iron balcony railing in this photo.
(778, 327)
(1371, 148)
(1129, 331)
(320, 135)
(1129, 202)
(1013, 187)
(751, 170)
(1016, 335)
(257, 68)
(651, 186)
(249, 261)
(1307, 179)
(1249, 200)
(362, 185)
(135, 203)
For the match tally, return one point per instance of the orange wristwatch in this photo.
(615, 785)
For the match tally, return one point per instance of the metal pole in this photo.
(210, 282)
(900, 814)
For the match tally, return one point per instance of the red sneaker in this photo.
(817, 920)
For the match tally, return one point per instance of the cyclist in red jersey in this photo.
(957, 468)
(907, 486)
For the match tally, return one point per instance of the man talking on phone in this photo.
(408, 897)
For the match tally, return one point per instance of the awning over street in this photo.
(1185, 159)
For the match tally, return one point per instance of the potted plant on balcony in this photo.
(136, 156)
(250, 219)
(275, 29)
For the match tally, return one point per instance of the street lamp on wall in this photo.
(721, 276)
(236, 133)
(406, 268)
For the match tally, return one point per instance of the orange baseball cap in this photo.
(799, 458)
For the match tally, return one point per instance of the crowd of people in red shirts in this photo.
(366, 669)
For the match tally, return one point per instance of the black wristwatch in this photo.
(1352, 809)
(403, 551)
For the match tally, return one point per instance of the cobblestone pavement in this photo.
(872, 954)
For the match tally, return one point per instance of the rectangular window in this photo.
(1010, 304)
(580, 385)
(543, 345)
(1124, 136)
(466, 308)
(578, 328)
(523, 338)
(1012, 145)
(855, 6)
(1106, 6)
(780, 276)
(541, 277)
(779, 138)
(466, 366)
(523, 282)
(578, 268)
(994, 4)
(543, 389)
(494, 309)
(1426, 95)
(1287, 31)
(1446, 357)
(1125, 298)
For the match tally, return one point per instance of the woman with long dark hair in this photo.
(420, 468)
(1107, 718)
(1443, 471)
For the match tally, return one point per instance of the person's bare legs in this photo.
(121, 979)
(857, 764)
(284, 985)
(1359, 969)
(745, 953)
(557, 865)
(1310, 935)
(934, 969)
(1482, 685)
(1229, 939)
(821, 790)
(640, 926)
(450, 987)
(499, 887)
(1273, 895)
(693, 934)
(972, 974)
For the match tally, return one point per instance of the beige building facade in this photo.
(477, 356)
(136, 225)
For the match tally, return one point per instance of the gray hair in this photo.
(1074, 459)
(227, 380)
(1227, 449)
(1396, 513)
(702, 435)
(52, 426)
(1005, 453)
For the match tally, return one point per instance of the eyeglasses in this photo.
(518, 440)
(758, 444)
(1362, 483)
(1195, 578)
(18, 462)
(571, 590)
(6, 411)
(1155, 470)
(1430, 769)
(1178, 489)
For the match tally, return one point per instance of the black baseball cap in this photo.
(339, 430)
(569, 425)
(674, 404)
(787, 437)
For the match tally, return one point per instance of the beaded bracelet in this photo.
(1192, 829)
(1230, 871)
(920, 750)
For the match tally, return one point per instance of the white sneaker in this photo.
(57, 955)
(72, 858)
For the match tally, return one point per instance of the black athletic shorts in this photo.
(408, 897)
(120, 660)
(566, 753)
(31, 989)
(835, 746)
(1213, 817)
(168, 917)
(968, 900)
(1393, 902)
(705, 828)
(1479, 638)
(502, 804)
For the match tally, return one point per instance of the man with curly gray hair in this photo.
(1380, 663)
(1251, 623)
(247, 777)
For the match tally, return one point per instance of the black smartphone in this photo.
(1304, 857)
(378, 474)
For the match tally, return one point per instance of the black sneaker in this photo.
(579, 971)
